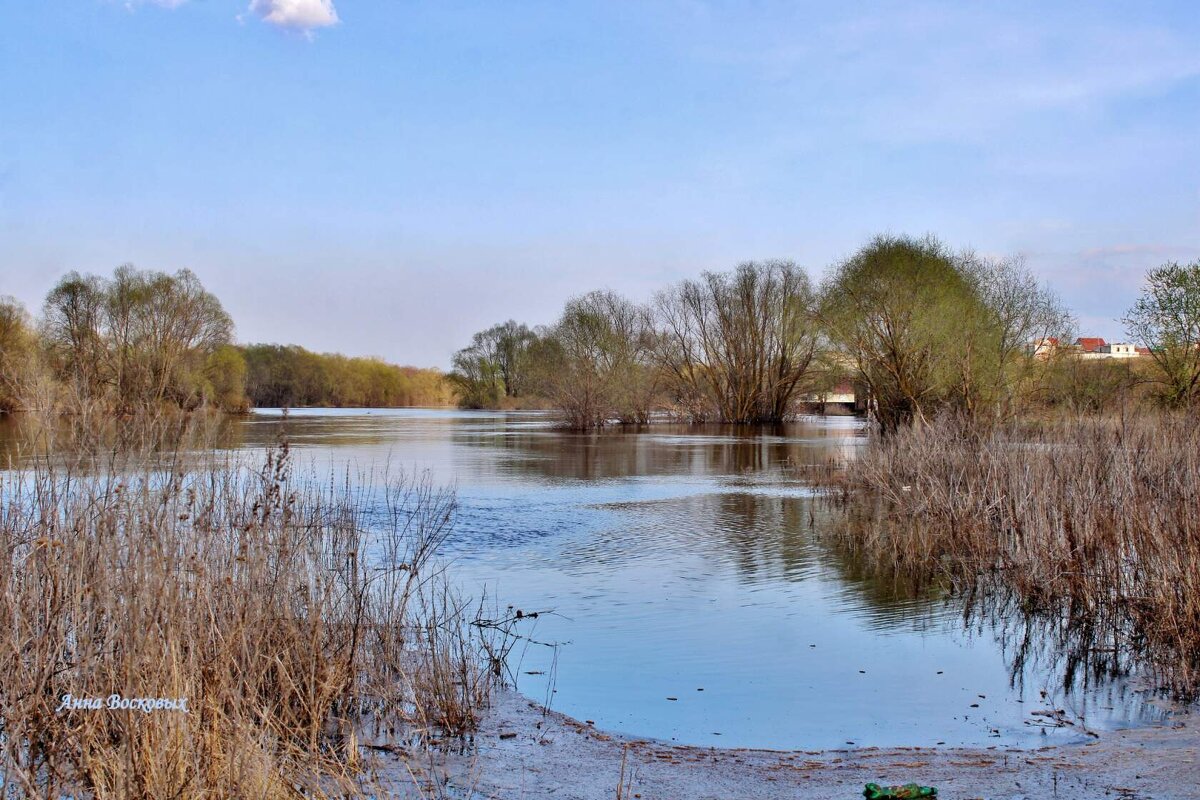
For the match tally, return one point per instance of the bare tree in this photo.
(595, 363)
(1020, 311)
(738, 345)
(72, 328)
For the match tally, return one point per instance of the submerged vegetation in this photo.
(915, 326)
(1090, 521)
(912, 328)
(298, 617)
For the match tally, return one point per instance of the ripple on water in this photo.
(683, 558)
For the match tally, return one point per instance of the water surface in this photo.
(693, 595)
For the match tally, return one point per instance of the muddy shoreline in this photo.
(524, 752)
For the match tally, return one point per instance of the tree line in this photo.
(279, 376)
(917, 327)
(145, 339)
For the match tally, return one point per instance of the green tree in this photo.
(496, 364)
(225, 375)
(476, 376)
(18, 354)
(902, 313)
(279, 376)
(1166, 319)
(138, 339)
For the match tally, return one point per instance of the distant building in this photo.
(1120, 350)
(1088, 347)
(1045, 347)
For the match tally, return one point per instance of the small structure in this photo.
(1089, 345)
(1120, 350)
(1044, 347)
(845, 397)
(1086, 347)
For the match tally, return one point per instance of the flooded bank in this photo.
(685, 592)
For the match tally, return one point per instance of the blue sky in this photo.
(386, 177)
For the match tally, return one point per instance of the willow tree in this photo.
(18, 354)
(739, 345)
(1166, 320)
(1016, 310)
(138, 339)
(901, 314)
(595, 364)
(495, 365)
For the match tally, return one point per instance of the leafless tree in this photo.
(739, 345)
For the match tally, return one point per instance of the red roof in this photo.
(1143, 351)
(1089, 344)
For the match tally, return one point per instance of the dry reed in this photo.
(1094, 522)
(299, 617)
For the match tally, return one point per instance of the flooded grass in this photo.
(286, 618)
(1090, 523)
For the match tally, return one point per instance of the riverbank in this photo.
(523, 752)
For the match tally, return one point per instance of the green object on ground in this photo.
(909, 791)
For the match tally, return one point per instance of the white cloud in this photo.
(301, 15)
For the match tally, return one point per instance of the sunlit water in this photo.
(693, 597)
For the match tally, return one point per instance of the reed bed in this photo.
(299, 616)
(1094, 522)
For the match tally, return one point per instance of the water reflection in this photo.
(689, 562)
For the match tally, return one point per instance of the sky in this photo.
(386, 177)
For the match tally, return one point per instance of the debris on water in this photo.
(508, 736)
(672, 698)
(909, 791)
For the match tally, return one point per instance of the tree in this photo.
(225, 376)
(72, 329)
(739, 345)
(288, 376)
(595, 364)
(1019, 310)
(136, 340)
(1166, 319)
(18, 352)
(476, 376)
(510, 342)
(495, 365)
(901, 313)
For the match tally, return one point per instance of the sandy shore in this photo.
(525, 753)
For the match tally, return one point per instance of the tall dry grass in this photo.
(299, 617)
(1093, 521)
